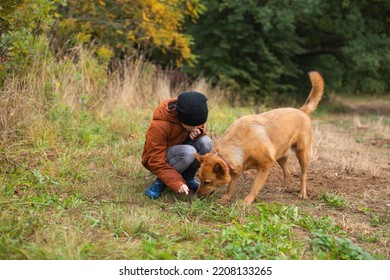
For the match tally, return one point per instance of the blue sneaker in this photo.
(193, 184)
(155, 189)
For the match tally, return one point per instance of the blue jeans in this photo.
(182, 159)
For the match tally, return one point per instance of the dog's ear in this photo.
(198, 157)
(218, 169)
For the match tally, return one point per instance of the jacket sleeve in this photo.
(156, 145)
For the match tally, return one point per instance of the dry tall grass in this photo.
(79, 81)
(137, 83)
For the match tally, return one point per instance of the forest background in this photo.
(258, 48)
(78, 83)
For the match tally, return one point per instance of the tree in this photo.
(24, 26)
(349, 41)
(266, 47)
(153, 26)
(249, 45)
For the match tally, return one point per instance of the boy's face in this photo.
(189, 127)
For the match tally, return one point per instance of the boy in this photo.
(176, 132)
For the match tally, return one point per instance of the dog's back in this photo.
(275, 131)
(271, 133)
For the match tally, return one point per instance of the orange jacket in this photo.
(164, 131)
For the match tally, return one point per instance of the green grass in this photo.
(75, 191)
(334, 200)
(223, 116)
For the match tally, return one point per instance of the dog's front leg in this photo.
(232, 185)
(262, 174)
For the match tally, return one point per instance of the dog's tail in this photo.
(316, 93)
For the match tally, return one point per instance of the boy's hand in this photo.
(183, 189)
(195, 133)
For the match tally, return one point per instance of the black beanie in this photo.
(192, 108)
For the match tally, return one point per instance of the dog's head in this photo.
(213, 173)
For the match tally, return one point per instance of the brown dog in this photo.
(256, 142)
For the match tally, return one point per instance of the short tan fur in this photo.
(257, 142)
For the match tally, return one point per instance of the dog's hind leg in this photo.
(262, 174)
(283, 162)
(232, 185)
(303, 156)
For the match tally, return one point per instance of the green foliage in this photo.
(242, 48)
(265, 47)
(335, 200)
(265, 235)
(269, 233)
(377, 221)
(126, 26)
(330, 247)
(32, 30)
(24, 26)
(257, 48)
(352, 42)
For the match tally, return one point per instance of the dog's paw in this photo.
(223, 200)
(303, 196)
(282, 189)
(248, 200)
